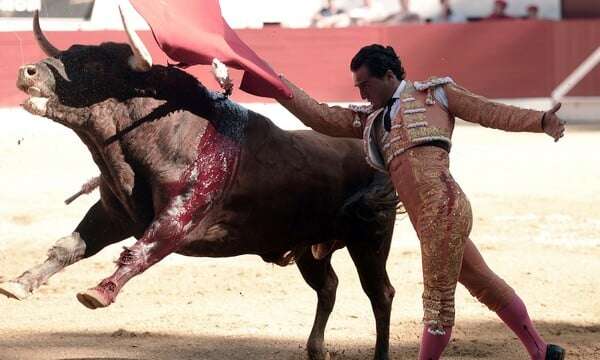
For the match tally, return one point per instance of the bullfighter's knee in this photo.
(489, 289)
(481, 281)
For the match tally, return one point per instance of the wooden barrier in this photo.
(501, 59)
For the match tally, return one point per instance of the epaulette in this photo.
(432, 82)
(430, 85)
(359, 109)
(363, 109)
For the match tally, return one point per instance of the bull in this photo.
(183, 169)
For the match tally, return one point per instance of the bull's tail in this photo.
(377, 202)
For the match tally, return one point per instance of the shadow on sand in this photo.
(469, 342)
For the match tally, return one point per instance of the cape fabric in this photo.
(195, 32)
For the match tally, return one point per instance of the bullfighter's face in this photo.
(375, 90)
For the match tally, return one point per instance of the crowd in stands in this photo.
(373, 12)
(315, 13)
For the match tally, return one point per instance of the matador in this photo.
(407, 132)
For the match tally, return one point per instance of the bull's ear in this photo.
(141, 60)
(42, 42)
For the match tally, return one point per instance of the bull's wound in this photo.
(177, 159)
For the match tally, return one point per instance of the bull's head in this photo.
(83, 75)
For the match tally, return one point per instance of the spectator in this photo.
(405, 15)
(498, 13)
(447, 14)
(371, 11)
(330, 16)
(532, 12)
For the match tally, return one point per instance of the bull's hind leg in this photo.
(371, 266)
(320, 276)
(94, 232)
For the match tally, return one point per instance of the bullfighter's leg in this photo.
(94, 232)
(322, 278)
(371, 266)
(499, 297)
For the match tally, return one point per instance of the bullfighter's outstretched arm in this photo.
(330, 120)
(474, 108)
(477, 109)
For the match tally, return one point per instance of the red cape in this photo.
(194, 33)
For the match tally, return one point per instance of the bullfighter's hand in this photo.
(552, 124)
(36, 105)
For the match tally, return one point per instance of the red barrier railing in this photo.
(511, 59)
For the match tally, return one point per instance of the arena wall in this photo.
(503, 59)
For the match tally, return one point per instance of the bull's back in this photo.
(293, 184)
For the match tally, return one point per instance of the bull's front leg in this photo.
(190, 203)
(66, 251)
(97, 229)
(165, 235)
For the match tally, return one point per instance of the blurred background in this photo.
(534, 52)
(536, 203)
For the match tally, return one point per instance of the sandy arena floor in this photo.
(537, 223)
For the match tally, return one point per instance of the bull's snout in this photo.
(27, 78)
(28, 71)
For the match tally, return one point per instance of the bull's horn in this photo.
(43, 43)
(141, 60)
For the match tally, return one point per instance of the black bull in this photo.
(157, 136)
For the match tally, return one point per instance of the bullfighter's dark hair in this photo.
(378, 59)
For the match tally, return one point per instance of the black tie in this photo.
(387, 120)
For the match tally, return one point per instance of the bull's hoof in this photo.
(93, 299)
(14, 290)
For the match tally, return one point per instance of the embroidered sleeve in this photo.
(477, 109)
(329, 120)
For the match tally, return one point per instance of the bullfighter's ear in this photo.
(141, 60)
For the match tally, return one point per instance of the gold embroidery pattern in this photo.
(441, 215)
(395, 145)
(420, 134)
(409, 128)
(408, 116)
(400, 134)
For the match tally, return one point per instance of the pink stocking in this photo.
(432, 346)
(516, 318)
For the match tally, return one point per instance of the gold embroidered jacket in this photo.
(421, 118)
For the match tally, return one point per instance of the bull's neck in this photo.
(95, 125)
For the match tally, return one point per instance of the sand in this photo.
(537, 223)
